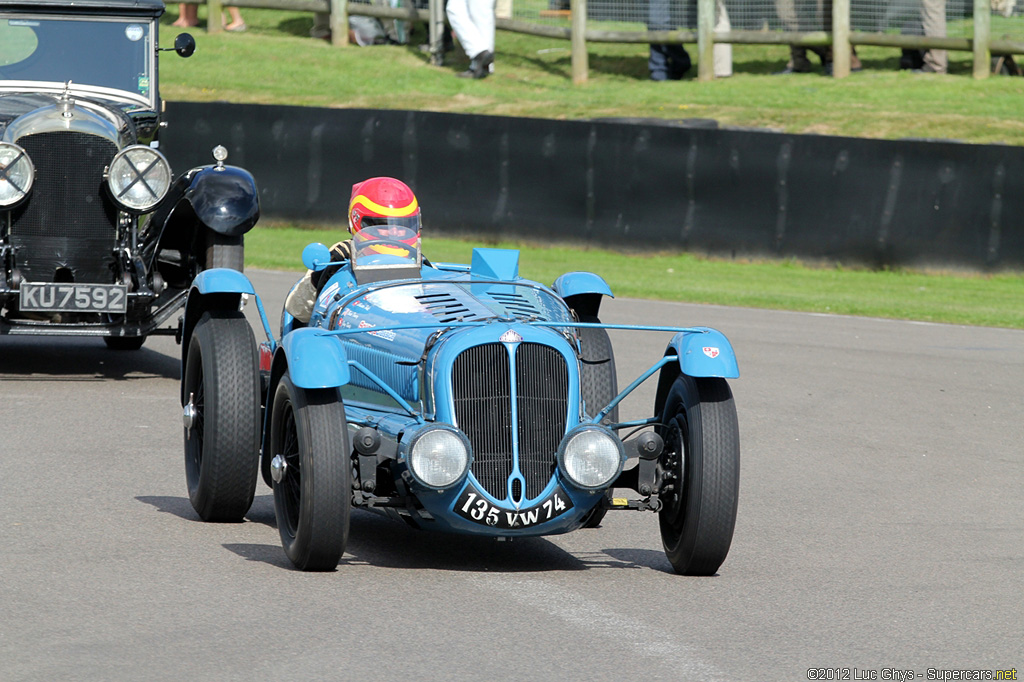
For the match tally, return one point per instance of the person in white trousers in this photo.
(473, 24)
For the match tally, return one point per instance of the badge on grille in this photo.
(510, 337)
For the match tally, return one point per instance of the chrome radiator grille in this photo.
(483, 393)
(68, 221)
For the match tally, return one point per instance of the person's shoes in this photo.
(796, 66)
(479, 66)
(237, 28)
(482, 67)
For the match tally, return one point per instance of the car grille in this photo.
(68, 221)
(483, 394)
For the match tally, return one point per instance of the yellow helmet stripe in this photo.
(384, 210)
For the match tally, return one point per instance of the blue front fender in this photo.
(705, 353)
(222, 281)
(315, 361)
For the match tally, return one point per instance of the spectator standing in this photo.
(672, 61)
(237, 24)
(188, 16)
(933, 21)
(798, 61)
(669, 61)
(473, 24)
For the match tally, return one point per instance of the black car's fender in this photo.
(205, 201)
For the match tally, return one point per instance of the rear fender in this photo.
(582, 291)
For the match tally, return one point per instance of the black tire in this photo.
(598, 380)
(225, 252)
(124, 342)
(598, 384)
(313, 500)
(702, 454)
(221, 386)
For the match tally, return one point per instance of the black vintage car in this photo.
(97, 236)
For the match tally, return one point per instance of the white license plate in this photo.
(80, 298)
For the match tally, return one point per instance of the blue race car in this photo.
(455, 398)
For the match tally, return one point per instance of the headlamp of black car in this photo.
(16, 174)
(439, 457)
(591, 457)
(139, 178)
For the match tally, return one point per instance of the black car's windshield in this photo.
(100, 52)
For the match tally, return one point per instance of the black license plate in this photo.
(474, 506)
(79, 298)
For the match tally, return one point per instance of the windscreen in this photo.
(88, 51)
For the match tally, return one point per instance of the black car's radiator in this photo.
(68, 223)
(483, 393)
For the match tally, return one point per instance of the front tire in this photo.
(223, 251)
(702, 461)
(598, 385)
(222, 416)
(313, 498)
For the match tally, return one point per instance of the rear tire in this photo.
(223, 251)
(221, 388)
(702, 453)
(313, 500)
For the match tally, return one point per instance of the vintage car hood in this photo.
(130, 122)
(435, 303)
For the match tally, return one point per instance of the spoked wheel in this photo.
(702, 464)
(221, 416)
(598, 385)
(312, 473)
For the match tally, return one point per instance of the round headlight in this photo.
(139, 178)
(591, 457)
(439, 457)
(16, 174)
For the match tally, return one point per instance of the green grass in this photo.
(986, 300)
(276, 62)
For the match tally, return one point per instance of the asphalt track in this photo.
(881, 529)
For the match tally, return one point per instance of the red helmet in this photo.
(382, 201)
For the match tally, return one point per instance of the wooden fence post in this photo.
(214, 20)
(705, 41)
(580, 65)
(982, 35)
(339, 22)
(840, 38)
(435, 31)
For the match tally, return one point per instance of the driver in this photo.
(381, 210)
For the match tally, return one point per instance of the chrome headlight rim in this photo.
(149, 171)
(415, 464)
(564, 451)
(20, 158)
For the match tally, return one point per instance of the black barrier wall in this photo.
(632, 185)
